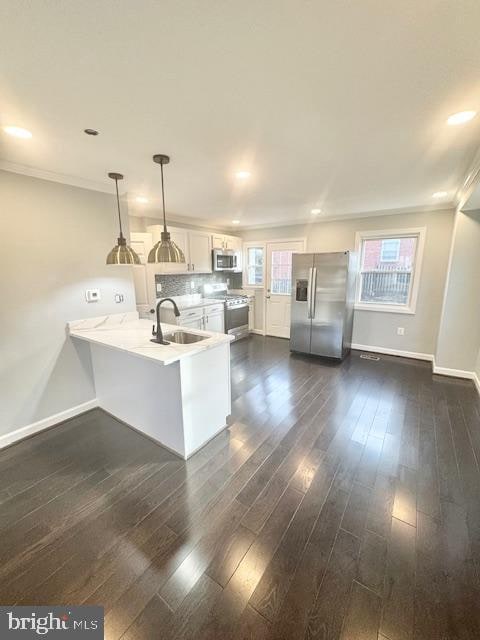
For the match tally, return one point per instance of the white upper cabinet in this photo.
(180, 237)
(200, 251)
(226, 242)
(218, 241)
(232, 243)
(141, 243)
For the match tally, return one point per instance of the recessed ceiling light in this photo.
(235, 221)
(440, 194)
(243, 175)
(315, 211)
(18, 132)
(141, 199)
(461, 117)
(91, 132)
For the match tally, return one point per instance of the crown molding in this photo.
(446, 207)
(53, 176)
(471, 181)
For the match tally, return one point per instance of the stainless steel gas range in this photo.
(236, 309)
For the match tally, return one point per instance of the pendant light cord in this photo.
(118, 207)
(163, 201)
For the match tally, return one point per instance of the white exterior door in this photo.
(279, 281)
(200, 251)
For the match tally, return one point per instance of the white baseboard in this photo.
(394, 352)
(35, 427)
(476, 382)
(453, 373)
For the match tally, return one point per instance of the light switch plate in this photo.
(400, 331)
(92, 295)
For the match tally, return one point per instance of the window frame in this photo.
(411, 306)
(246, 247)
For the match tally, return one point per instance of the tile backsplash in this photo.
(180, 284)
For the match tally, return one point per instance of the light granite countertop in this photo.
(126, 332)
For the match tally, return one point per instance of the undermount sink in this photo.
(183, 337)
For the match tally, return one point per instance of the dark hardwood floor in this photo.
(343, 501)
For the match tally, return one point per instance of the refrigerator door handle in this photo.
(309, 293)
(313, 292)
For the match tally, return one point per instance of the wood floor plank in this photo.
(372, 562)
(398, 597)
(274, 584)
(363, 616)
(292, 619)
(326, 617)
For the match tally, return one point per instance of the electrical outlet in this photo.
(192, 284)
(158, 287)
(92, 295)
(119, 297)
(400, 331)
(228, 282)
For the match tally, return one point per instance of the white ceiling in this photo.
(340, 105)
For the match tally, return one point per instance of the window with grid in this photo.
(387, 269)
(255, 266)
(281, 275)
(390, 250)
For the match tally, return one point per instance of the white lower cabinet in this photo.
(197, 323)
(214, 318)
(208, 318)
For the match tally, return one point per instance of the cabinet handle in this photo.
(193, 267)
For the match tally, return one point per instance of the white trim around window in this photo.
(246, 247)
(410, 307)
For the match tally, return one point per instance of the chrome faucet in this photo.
(157, 332)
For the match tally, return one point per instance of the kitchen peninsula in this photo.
(176, 394)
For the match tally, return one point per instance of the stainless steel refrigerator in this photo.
(323, 293)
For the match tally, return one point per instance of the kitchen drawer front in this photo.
(191, 314)
(214, 308)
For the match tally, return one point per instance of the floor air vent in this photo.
(368, 356)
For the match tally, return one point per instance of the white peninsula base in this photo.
(181, 404)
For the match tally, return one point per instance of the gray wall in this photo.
(459, 334)
(379, 329)
(54, 242)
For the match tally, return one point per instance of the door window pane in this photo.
(281, 279)
(387, 268)
(255, 266)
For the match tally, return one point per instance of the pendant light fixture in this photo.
(121, 253)
(165, 249)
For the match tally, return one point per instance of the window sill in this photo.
(384, 308)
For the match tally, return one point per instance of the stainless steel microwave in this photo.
(224, 260)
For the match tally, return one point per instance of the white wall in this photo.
(379, 329)
(55, 239)
(459, 333)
